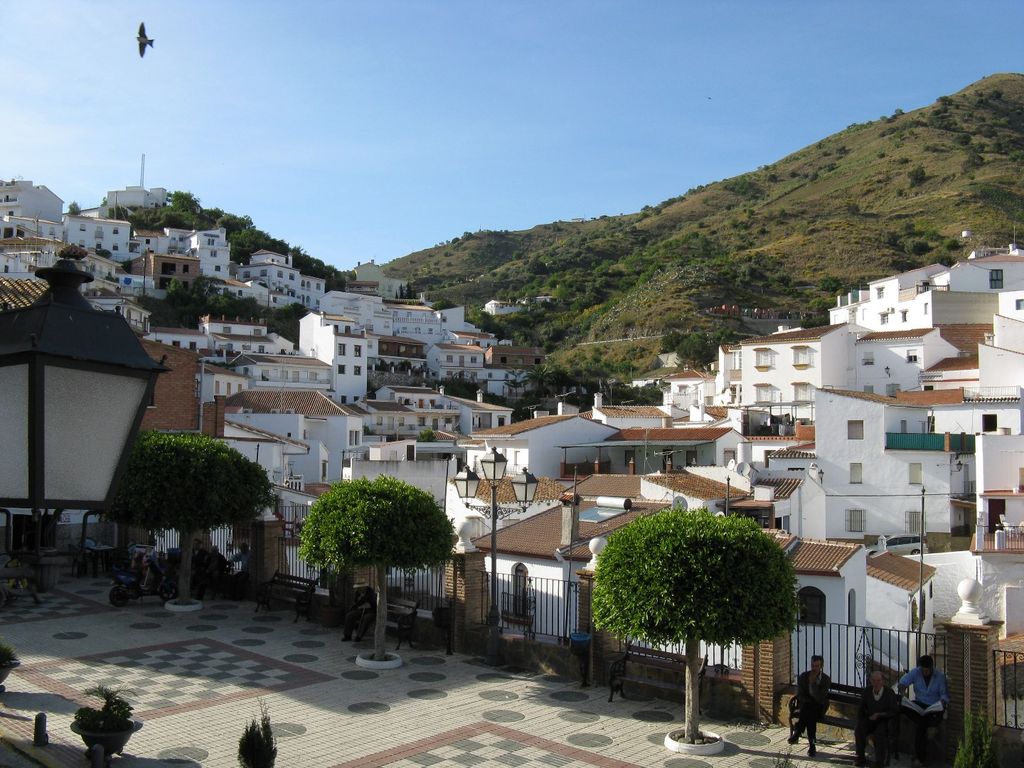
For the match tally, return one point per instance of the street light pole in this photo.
(920, 580)
(493, 628)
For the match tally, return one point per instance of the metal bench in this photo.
(284, 586)
(402, 618)
(630, 665)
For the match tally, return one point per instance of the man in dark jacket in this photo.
(361, 614)
(812, 696)
(879, 704)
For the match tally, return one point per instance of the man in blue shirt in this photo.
(928, 707)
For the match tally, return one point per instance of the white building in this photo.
(366, 312)
(283, 371)
(19, 197)
(135, 197)
(344, 347)
(110, 235)
(495, 307)
(371, 276)
(275, 270)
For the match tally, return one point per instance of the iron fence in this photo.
(852, 652)
(1008, 694)
(721, 659)
(534, 606)
(424, 585)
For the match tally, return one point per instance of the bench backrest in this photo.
(298, 582)
(402, 605)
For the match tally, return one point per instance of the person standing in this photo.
(928, 707)
(812, 688)
(878, 705)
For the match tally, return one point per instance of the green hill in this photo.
(879, 197)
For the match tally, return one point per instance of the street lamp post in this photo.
(524, 485)
(76, 384)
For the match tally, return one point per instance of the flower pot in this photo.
(113, 742)
(5, 670)
(331, 615)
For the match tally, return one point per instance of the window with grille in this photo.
(856, 473)
(913, 521)
(812, 605)
(763, 358)
(801, 355)
(855, 521)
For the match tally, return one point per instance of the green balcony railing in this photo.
(916, 441)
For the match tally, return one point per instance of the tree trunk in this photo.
(380, 627)
(185, 539)
(693, 662)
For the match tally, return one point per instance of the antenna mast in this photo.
(142, 172)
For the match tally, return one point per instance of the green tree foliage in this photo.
(379, 523)
(976, 749)
(190, 483)
(687, 576)
(74, 208)
(258, 747)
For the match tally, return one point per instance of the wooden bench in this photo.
(838, 693)
(629, 665)
(284, 586)
(402, 618)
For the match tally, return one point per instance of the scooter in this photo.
(129, 584)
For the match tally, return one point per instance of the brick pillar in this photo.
(970, 674)
(465, 582)
(266, 536)
(766, 671)
(602, 644)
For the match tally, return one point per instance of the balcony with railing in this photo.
(991, 394)
(1000, 538)
(929, 441)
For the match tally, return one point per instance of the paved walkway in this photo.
(198, 678)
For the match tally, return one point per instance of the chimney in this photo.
(598, 399)
(632, 465)
(570, 522)
(561, 407)
(480, 395)
(440, 390)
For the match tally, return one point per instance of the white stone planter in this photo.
(391, 661)
(189, 607)
(674, 743)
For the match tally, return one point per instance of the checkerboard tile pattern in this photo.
(174, 677)
(54, 604)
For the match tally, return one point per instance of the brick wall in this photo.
(175, 400)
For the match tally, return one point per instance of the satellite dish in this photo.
(679, 502)
(732, 465)
(743, 468)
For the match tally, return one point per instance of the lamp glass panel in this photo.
(14, 428)
(524, 485)
(89, 416)
(492, 466)
(466, 483)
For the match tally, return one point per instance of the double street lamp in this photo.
(76, 382)
(524, 485)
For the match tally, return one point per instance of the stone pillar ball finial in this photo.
(597, 545)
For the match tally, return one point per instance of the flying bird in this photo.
(143, 40)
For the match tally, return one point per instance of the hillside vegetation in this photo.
(879, 197)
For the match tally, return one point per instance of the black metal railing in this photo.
(852, 652)
(1000, 537)
(721, 659)
(534, 606)
(424, 585)
(1008, 695)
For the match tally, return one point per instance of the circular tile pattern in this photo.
(360, 674)
(686, 762)
(213, 616)
(223, 607)
(495, 695)
(569, 696)
(309, 643)
(313, 631)
(747, 739)
(257, 630)
(503, 716)
(201, 627)
(69, 636)
(426, 693)
(282, 730)
(589, 740)
(266, 617)
(427, 661)
(300, 658)
(653, 716)
(248, 642)
(156, 615)
(761, 762)
(183, 754)
(368, 708)
(145, 625)
(492, 677)
(657, 738)
(572, 716)
(557, 679)
(427, 677)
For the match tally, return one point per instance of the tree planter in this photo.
(5, 670)
(190, 607)
(391, 661)
(331, 615)
(113, 742)
(712, 743)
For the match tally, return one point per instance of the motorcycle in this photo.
(131, 584)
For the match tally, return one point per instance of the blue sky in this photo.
(362, 130)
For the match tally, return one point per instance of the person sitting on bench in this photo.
(928, 707)
(361, 614)
(812, 694)
(878, 705)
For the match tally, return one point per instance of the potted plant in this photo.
(8, 661)
(111, 725)
(258, 748)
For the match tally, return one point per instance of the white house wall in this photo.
(999, 366)
(429, 476)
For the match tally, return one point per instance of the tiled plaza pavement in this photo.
(197, 679)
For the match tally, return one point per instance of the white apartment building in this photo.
(371, 276)
(227, 338)
(455, 361)
(890, 361)
(151, 240)
(26, 227)
(366, 312)
(185, 338)
(217, 380)
(283, 371)
(418, 321)
(276, 271)
(135, 197)
(347, 349)
(19, 197)
(21, 257)
(496, 307)
(111, 235)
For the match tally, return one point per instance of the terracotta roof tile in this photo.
(672, 434)
(303, 401)
(385, 406)
(932, 396)
(964, 363)
(547, 490)
(784, 486)
(691, 484)
(802, 451)
(965, 336)
(520, 427)
(17, 294)
(623, 486)
(909, 333)
(897, 570)
(871, 397)
(634, 411)
(800, 334)
(822, 558)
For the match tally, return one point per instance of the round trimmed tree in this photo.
(191, 483)
(686, 576)
(378, 523)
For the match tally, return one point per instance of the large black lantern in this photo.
(75, 383)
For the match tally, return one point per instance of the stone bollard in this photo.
(39, 736)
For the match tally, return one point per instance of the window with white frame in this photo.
(856, 473)
(1019, 304)
(911, 355)
(868, 359)
(880, 293)
(802, 390)
(914, 473)
(763, 358)
(912, 520)
(883, 318)
(855, 521)
(855, 429)
(802, 356)
(763, 393)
